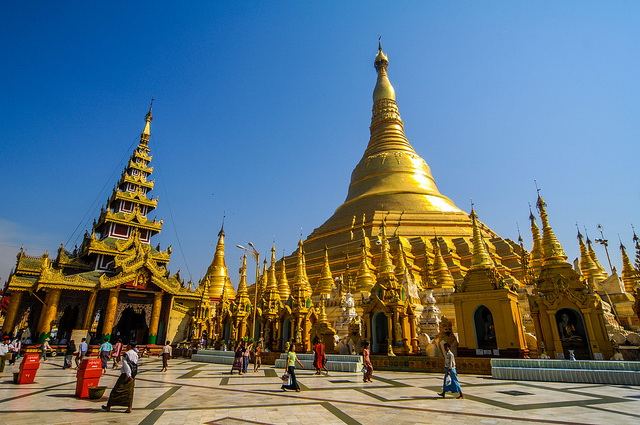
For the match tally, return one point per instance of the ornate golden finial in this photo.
(325, 281)
(386, 262)
(242, 285)
(441, 272)
(300, 278)
(283, 282)
(364, 277)
(552, 250)
(602, 273)
(587, 266)
(481, 258)
(630, 276)
(383, 89)
(218, 273)
(146, 133)
(272, 282)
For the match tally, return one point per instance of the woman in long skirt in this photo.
(368, 366)
(450, 372)
(238, 359)
(122, 392)
(292, 358)
(257, 357)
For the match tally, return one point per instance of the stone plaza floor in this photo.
(197, 393)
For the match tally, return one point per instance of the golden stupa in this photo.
(392, 183)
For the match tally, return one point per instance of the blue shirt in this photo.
(83, 347)
(106, 347)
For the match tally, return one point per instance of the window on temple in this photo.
(119, 231)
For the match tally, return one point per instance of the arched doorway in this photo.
(67, 322)
(379, 333)
(573, 334)
(286, 333)
(485, 329)
(132, 326)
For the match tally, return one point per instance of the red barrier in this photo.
(88, 375)
(28, 368)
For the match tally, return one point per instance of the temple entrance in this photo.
(379, 333)
(286, 333)
(485, 329)
(572, 334)
(68, 321)
(226, 333)
(132, 326)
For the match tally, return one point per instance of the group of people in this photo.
(242, 355)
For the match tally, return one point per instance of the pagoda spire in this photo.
(602, 273)
(300, 278)
(272, 281)
(481, 258)
(325, 281)
(243, 290)
(441, 272)
(552, 250)
(630, 276)
(587, 266)
(218, 273)
(386, 262)
(125, 214)
(364, 276)
(283, 283)
(536, 249)
(146, 133)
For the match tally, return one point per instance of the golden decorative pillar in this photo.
(110, 314)
(49, 312)
(12, 313)
(155, 317)
(88, 315)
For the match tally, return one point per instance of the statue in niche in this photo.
(567, 328)
(489, 330)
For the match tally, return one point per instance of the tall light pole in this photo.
(256, 255)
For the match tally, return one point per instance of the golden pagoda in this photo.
(487, 310)
(567, 315)
(115, 284)
(218, 274)
(393, 183)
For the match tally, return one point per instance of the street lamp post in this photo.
(256, 255)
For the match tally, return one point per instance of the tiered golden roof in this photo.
(283, 282)
(630, 275)
(325, 281)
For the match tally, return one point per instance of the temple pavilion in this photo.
(116, 284)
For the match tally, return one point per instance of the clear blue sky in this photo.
(262, 111)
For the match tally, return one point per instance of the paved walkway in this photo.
(196, 393)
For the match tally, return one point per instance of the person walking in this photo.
(105, 353)
(237, 358)
(122, 392)
(167, 351)
(4, 349)
(44, 348)
(368, 366)
(292, 358)
(82, 351)
(68, 355)
(451, 383)
(319, 357)
(257, 357)
(116, 354)
(14, 349)
(245, 359)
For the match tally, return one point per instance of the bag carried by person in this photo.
(133, 366)
(447, 381)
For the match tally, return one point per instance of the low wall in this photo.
(472, 365)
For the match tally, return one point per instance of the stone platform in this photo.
(335, 362)
(587, 371)
(213, 356)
